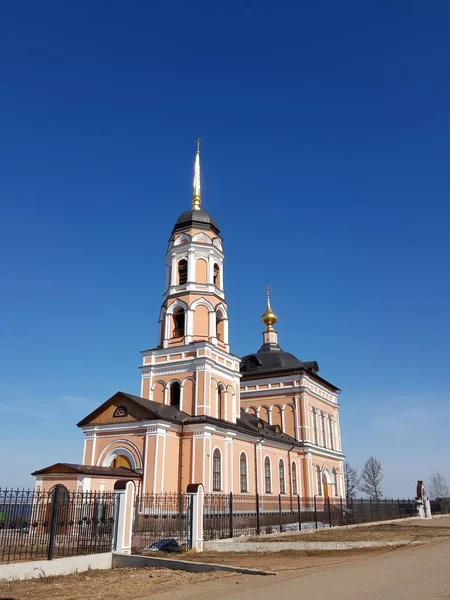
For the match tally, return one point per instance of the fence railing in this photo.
(440, 506)
(55, 524)
(230, 515)
(162, 516)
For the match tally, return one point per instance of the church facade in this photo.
(267, 423)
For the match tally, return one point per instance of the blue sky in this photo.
(325, 162)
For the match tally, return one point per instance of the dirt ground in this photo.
(117, 584)
(409, 531)
(285, 560)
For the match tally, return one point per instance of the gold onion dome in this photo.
(269, 318)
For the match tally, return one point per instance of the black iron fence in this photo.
(162, 517)
(230, 515)
(440, 506)
(56, 524)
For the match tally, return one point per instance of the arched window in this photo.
(178, 323)
(294, 479)
(121, 461)
(219, 326)
(319, 481)
(216, 275)
(335, 483)
(220, 402)
(281, 475)
(182, 272)
(175, 393)
(217, 477)
(243, 472)
(267, 478)
(330, 422)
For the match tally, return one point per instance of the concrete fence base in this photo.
(140, 562)
(35, 569)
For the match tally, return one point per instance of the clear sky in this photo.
(325, 162)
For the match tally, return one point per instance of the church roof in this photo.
(247, 423)
(271, 359)
(69, 468)
(266, 360)
(153, 410)
(264, 429)
(196, 218)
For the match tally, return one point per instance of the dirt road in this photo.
(412, 573)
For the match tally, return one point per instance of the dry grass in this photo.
(117, 584)
(389, 532)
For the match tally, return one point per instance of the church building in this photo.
(266, 423)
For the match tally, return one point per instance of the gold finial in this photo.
(196, 197)
(269, 318)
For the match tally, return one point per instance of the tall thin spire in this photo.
(196, 197)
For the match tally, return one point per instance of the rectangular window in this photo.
(294, 479)
(324, 433)
(243, 472)
(316, 438)
(282, 480)
(267, 482)
(216, 471)
(330, 420)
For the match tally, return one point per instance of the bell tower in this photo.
(194, 307)
(193, 343)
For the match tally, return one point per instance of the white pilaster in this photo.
(174, 271)
(191, 265)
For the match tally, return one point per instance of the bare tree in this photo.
(437, 486)
(351, 480)
(371, 478)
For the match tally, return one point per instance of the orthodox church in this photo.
(266, 423)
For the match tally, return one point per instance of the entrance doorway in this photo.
(327, 488)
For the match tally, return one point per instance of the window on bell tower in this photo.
(216, 275)
(182, 272)
(219, 326)
(220, 402)
(178, 323)
(175, 393)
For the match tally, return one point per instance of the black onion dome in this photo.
(196, 218)
(270, 360)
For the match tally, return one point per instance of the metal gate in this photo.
(162, 520)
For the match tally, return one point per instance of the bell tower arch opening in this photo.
(179, 322)
(182, 271)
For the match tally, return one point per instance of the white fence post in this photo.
(196, 493)
(125, 519)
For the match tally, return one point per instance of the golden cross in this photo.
(198, 140)
(268, 290)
